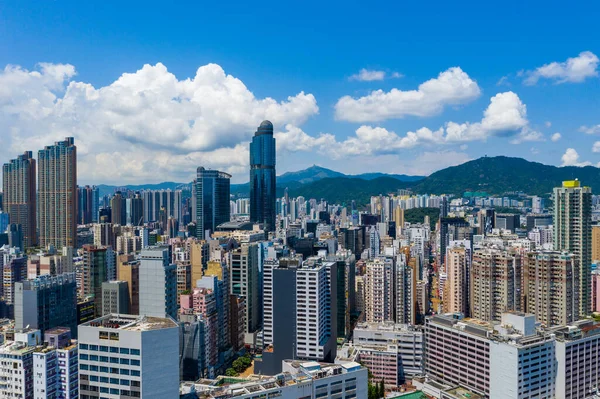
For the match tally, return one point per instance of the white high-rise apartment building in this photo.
(573, 233)
(126, 356)
(268, 266)
(16, 366)
(378, 290)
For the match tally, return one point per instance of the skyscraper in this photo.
(118, 209)
(262, 176)
(158, 283)
(19, 199)
(88, 203)
(47, 302)
(573, 233)
(57, 194)
(212, 200)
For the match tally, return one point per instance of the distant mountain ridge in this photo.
(493, 175)
(499, 175)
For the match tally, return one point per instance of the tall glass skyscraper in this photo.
(262, 176)
(212, 191)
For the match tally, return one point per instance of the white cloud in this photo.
(397, 75)
(571, 158)
(366, 75)
(451, 87)
(596, 147)
(573, 70)
(503, 81)
(534, 150)
(555, 137)
(147, 125)
(527, 134)
(548, 124)
(295, 139)
(590, 129)
(506, 116)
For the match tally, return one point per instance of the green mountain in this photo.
(345, 189)
(499, 175)
(308, 175)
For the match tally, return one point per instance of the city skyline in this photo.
(376, 100)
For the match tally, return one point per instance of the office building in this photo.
(158, 283)
(298, 312)
(495, 283)
(550, 281)
(128, 270)
(245, 264)
(573, 233)
(316, 293)
(453, 229)
(47, 302)
(144, 349)
(577, 359)
(306, 380)
(57, 194)
(543, 220)
(115, 297)
(19, 196)
(392, 352)
(507, 221)
(510, 360)
(212, 190)
(88, 204)
(136, 210)
(98, 267)
(262, 177)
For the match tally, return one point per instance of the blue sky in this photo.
(155, 125)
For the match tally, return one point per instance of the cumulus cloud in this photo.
(145, 125)
(451, 87)
(294, 139)
(366, 75)
(571, 158)
(590, 129)
(596, 147)
(527, 134)
(555, 137)
(573, 70)
(506, 116)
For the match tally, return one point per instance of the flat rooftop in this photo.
(131, 322)
(462, 393)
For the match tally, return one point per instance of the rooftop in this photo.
(462, 393)
(296, 372)
(131, 322)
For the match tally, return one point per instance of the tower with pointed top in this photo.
(262, 177)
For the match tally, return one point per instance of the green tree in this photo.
(381, 392)
(230, 373)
